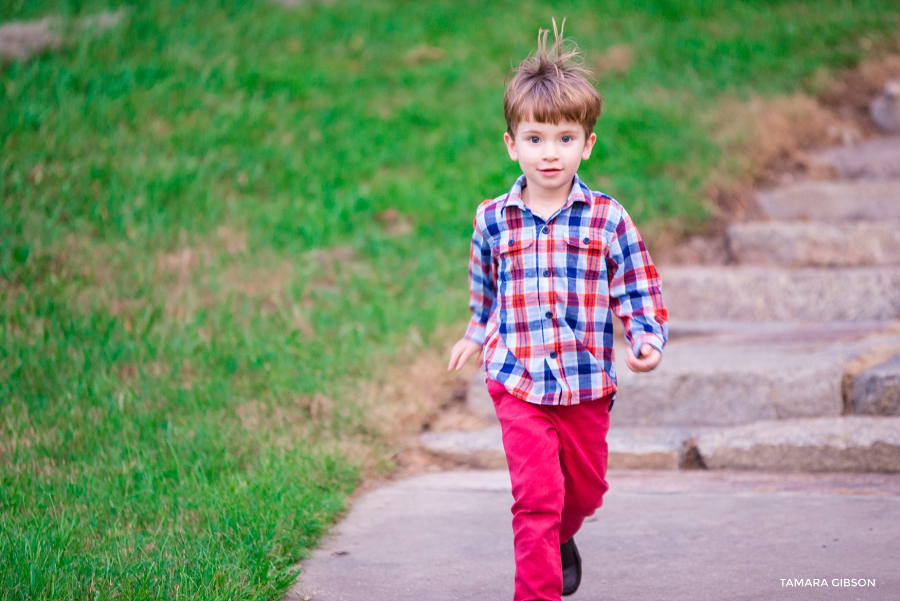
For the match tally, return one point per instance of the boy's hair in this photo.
(550, 86)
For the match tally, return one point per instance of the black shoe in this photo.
(571, 566)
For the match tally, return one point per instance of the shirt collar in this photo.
(580, 193)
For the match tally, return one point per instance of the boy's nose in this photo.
(550, 151)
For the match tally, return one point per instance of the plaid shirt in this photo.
(542, 294)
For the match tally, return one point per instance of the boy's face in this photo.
(549, 155)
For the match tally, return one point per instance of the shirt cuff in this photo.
(476, 332)
(651, 339)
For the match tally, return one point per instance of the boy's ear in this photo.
(510, 146)
(588, 146)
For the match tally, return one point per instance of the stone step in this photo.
(717, 374)
(839, 444)
(629, 448)
(835, 444)
(815, 244)
(479, 448)
(866, 200)
(876, 391)
(657, 448)
(720, 378)
(876, 159)
(782, 294)
(731, 375)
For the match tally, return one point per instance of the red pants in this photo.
(557, 459)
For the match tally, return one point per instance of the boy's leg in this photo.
(584, 455)
(532, 453)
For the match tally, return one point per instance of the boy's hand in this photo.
(648, 360)
(461, 352)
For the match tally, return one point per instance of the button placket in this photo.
(540, 272)
(548, 330)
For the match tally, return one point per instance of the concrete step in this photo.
(839, 444)
(782, 294)
(738, 374)
(876, 159)
(479, 448)
(815, 244)
(876, 390)
(835, 444)
(629, 448)
(718, 374)
(867, 200)
(720, 384)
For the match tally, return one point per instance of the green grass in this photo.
(179, 337)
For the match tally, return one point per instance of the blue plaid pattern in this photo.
(543, 293)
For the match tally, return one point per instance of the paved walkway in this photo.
(661, 536)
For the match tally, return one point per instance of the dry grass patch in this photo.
(422, 395)
(413, 392)
(18, 433)
(204, 272)
(299, 418)
(617, 59)
(394, 223)
(375, 423)
(409, 397)
(765, 141)
(187, 275)
(423, 53)
(849, 93)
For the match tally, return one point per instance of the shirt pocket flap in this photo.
(585, 240)
(512, 242)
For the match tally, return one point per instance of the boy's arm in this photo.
(482, 286)
(482, 291)
(635, 295)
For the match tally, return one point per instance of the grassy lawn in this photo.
(218, 218)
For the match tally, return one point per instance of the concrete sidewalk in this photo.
(661, 536)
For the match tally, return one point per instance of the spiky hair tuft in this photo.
(552, 85)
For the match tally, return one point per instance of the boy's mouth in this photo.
(549, 171)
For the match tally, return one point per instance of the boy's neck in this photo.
(544, 204)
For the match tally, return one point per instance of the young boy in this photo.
(550, 262)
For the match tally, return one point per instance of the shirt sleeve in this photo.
(635, 289)
(482, 286)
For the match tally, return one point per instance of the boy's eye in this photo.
(567, 139)
(534, 139)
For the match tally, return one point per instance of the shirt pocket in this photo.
(585, 255)
(514, 256)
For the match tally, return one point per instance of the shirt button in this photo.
(546, 230)
(553, 355)
(586, 240)
(548, 314)
(512, 241)
(546, 273)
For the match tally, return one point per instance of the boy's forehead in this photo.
(530, 125)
